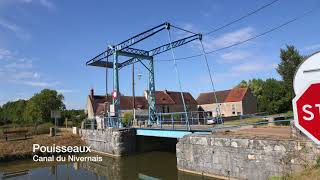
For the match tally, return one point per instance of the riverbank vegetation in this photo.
(37, 110)
(20, 149)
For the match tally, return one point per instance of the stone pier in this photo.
(243, 157)
(115, 142)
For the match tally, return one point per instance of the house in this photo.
(98, 106)
(233, 102)
(171, 101)
(166, 102)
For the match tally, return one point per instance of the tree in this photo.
(274, 97)
(290, 61)
(256, 86)
(76, 116)
(271, 94)
(1, 118)
(13, 111)
(40, 105)
(127, 118)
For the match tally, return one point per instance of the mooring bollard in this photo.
(52, 132)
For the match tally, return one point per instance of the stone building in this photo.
(166, 101)
(233, 102)
(98, 106)
(171, 101)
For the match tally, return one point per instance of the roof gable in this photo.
(173, 97)
(231, 95)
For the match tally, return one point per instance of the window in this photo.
(168, 110)
(233, 109)
(163, 109)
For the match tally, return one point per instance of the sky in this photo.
(46, 43)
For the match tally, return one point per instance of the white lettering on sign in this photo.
(311, 115)
(306, 109)
(318, 106)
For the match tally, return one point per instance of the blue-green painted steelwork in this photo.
(166, 132)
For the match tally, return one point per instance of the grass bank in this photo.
(21, 149)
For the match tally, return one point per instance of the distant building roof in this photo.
(99, 103)
(172, 97)
(231, 95)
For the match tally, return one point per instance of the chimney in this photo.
(166, 91)
(91, 93)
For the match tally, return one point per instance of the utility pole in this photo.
(107, 78)
(133, 94)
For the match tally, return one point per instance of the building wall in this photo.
(227, 109)
(89, 109)
(175, 108)
(249, 103)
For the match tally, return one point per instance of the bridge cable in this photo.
(178, 77)
(249, 39)
(241, 18)
(218, 110)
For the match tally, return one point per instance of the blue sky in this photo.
(45, 43)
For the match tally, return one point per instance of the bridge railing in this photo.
(174, 120)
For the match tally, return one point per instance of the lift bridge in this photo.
(110, 59)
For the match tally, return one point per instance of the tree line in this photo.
(37, 109)
(275, 96)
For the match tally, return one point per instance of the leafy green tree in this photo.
(1, 118)
(127, 118)
(76, 116)
(290, 61)
(243, 84)
(13, 111)
(40, 105)
(256, 86)
(274, 99)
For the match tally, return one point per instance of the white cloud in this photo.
(66, 91)
(20, 65)
(235, 56)
(4, 53)
(24, 75)
(18, 31)
(21, 71)
(45, 3)
(252, 67)
(211, 43)
(312, 47)
(39, 83)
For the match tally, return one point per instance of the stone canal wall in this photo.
(120, 142)
(116, 142)
(243, 157)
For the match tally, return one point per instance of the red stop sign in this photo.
(306, 108)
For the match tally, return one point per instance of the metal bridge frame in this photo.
(138, 55)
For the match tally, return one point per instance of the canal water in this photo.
(146, 166)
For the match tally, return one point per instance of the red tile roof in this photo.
(126, 102)
(173, 97)
(99, 103)
(231, 95)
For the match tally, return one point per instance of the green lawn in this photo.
(245, 120)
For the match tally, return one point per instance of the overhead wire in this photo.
(241, 18)
(248, 39)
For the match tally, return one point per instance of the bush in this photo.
(42, 128)
(177, 117)
(318, 162)
(127, 118)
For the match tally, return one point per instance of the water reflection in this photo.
(147, 166)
